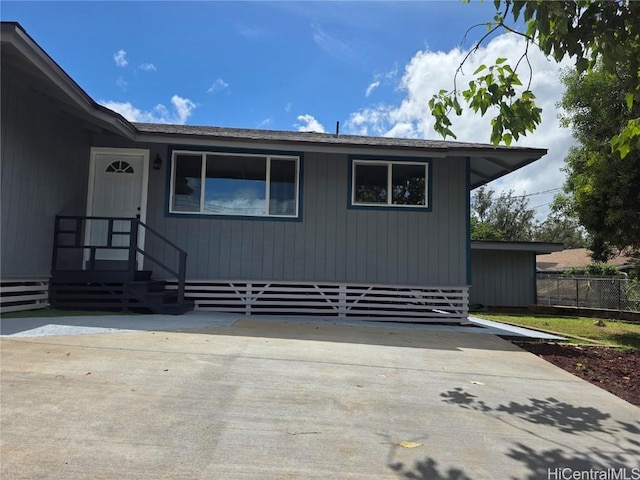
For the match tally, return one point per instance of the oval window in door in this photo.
(119, 166)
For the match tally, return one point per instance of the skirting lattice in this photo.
(18, 294)
(389, 302)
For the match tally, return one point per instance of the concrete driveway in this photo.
(277, 400)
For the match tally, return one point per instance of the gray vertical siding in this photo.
(332, 243)
(45, 160)
(502, 278)
(44, 169)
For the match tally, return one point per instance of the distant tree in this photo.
(604, 188)
(485, 231)
(561, 226)
(507, 217)
(601, 250)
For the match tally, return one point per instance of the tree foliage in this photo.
(561, 226)
(589, 32)
(605, 189)
(507, 217)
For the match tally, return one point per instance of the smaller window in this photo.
(119, 166)
(389, 183)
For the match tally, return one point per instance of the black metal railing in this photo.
(76, 228)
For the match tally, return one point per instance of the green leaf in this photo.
(517, 6)
(582, 65)
(624, 149)
(479, 69)
(500, 60)
(507, 138)
(629, 98)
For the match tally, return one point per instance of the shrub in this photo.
(594, 270)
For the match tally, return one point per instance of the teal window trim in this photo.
(172, 151)
(389, 161)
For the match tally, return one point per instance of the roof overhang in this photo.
(22, 53)
(492, 165)
(486, 162)
(536, 247)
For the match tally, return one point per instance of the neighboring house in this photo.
(503, 274)
(558, 262)
(260, 221)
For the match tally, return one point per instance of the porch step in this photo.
(99, 290)
(148, 285)
(107, 282)
(97, 276)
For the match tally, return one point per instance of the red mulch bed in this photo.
(614, 370)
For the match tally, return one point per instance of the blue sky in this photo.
(285, 65)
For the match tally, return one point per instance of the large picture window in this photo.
(389, 183)
(213, 183)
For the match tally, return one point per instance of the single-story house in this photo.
(97, 209)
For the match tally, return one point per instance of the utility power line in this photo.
(538, 193)
(543, 205)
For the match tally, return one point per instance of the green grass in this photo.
(614, 333)
(51, 312)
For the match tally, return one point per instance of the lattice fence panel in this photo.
(418, 303)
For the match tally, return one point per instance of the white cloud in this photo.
(391, 74)
(120, 57)
(182, 110)
(122, 83)
(371, 88)
(385, 78)
(333, 45)
(309, 124)
(287, 107)
(427, 72)
(265, 123)
(253, 31)
(148, 67)
(218, 86)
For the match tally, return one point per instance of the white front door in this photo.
(117, 188)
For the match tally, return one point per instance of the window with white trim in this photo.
(389, 183)
(216, 183)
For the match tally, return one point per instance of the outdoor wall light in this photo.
(157, 163)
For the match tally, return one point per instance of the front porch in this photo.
(99, 263)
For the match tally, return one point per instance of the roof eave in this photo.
(13, 33)
(537, 247)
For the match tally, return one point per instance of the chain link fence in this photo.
(613, 293)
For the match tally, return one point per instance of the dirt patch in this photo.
(612, 369)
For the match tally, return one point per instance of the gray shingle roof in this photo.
(319, 138)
